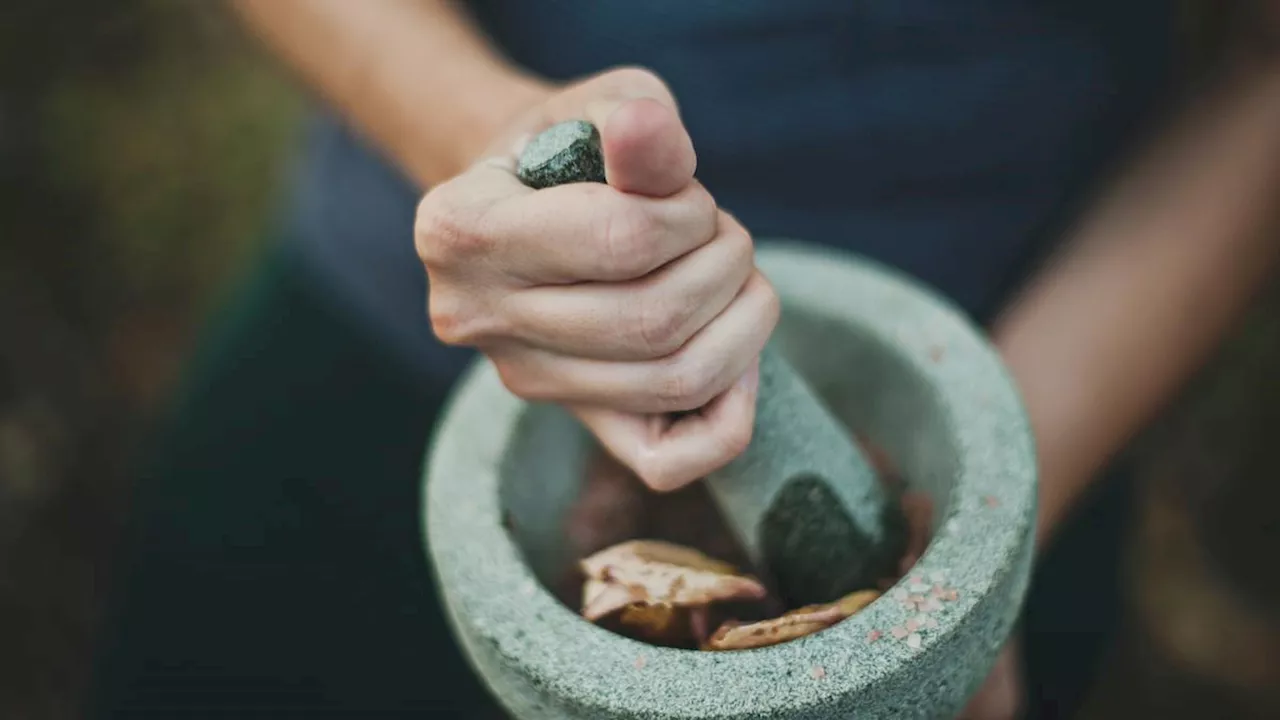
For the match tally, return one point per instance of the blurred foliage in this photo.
(142, 144)
(152, 136)
(178, 164)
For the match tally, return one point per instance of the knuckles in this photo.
(772, 305)
(662, 328)
(663, 322)
(625, 236)
(511, 379)
(735, 436)
(452, 321)
(444, 233)
(730, 438)
(741, 248)
(517, 381)
(446, 238)
(688, 382)
(703, 203)
(657, 474)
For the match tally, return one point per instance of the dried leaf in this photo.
(662, 623)
(654, 551)
(855, 601)
(745, 636)
(650, 572)
(600, 598)
(795, 624)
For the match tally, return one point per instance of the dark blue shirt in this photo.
(953, 139)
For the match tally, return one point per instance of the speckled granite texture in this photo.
(802, 500)
(564, 153)
(896, 364)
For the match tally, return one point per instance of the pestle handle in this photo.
(802, 499)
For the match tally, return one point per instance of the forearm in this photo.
(412, 75)
(1110, 331)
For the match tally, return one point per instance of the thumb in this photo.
(647, 150)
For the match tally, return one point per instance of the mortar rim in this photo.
(498, 624)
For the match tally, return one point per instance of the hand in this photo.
(1001, 697)
(623, 301)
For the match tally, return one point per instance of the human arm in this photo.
(1103, 338)
(623, 302)
(415, 76)
(1151, 281)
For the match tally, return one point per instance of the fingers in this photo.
(647, 150)
(667, 456)
(622, 300)
(702, 369)
(642, 319)
(571, 233)
(587, 232)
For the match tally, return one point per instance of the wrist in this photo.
(485, 102)
(499, 102)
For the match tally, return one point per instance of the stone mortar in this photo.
(899, 366)
(803, 502)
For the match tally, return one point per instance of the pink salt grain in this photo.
(818, 672)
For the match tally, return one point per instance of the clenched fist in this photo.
(623, 301)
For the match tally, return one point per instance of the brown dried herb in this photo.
(652, 573)
(797, 623)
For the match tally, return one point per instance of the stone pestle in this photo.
(802, 499)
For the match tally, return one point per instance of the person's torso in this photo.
(947, 138)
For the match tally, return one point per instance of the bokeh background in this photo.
(143, 149)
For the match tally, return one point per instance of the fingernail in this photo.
(599, 111)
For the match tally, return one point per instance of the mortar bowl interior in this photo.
(895, 363)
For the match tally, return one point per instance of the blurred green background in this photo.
(143, 148)
(142, 145)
